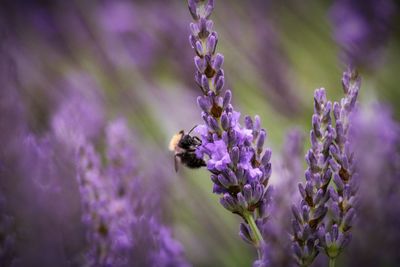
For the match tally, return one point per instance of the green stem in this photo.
(258, 239)
(332, 262)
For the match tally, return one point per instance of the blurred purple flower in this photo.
(7, 235)
(119, 211)
(284, 180)
(122, 24)
(34, 184)
(376, 138)
(362, 28)
(80, 115)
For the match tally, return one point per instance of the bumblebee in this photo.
(184, 146)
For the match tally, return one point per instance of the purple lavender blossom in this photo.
(95, 202)
(330, 157)
(362, 28)
(119, 211)
(314, 192)
(335, 234)
(234, 154)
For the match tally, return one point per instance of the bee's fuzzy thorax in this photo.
(174, 141)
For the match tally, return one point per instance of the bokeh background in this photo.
(101, 60)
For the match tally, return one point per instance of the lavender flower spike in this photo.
(342, 163)
(240, 167)
(313, 207)
(121, 215)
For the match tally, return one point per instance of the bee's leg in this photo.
(177, 161)
(197, 139)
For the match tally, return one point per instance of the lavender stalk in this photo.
(240, 166)
(314, 192)
(329, 159)
(343, 195)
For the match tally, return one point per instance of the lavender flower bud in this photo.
(194, 29)
(305, 212)
(302, 191)
(193, 9)
(340, 138)
(319, 99)
(267, 171)
(297, 214)
(225, 122)
(338, 182)
(336, 110)
(321, 233)
(335, 212)
(334, 165)
(213, 124)
(320, 212)
(245, 233)
(267, 157)
(209, 25)
(209, 9)
(248, 123)
(200, 64)
(211, 45)
(218, 61)
(219, 85)
(312, 161)
(229, 203)
(197, 78)
(314, 141)
(333, 194)
(231, 176)
(235, 155)
(199, 49)
(192, 41)
(242, 201)
(348, 218)
(260, 141)
(316, 126)
(318, 197)
(227, 99)
(220, 73)
(248, 192)
(335, 231)
(204, 103)
(240, 175)
(258, 193)
(204, 83)
(224, 181)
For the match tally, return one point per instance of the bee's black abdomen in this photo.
(190, 160)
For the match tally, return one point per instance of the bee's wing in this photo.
(177, 161)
